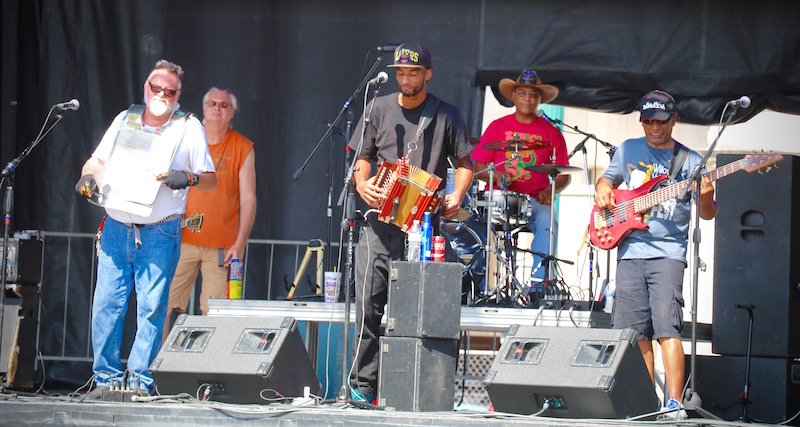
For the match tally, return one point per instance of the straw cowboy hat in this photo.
(528, 78)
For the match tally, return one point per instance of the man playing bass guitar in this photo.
(651, 261)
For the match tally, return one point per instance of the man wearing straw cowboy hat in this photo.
(527, 92)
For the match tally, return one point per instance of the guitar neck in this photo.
(647, 201)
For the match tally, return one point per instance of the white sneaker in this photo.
(673, 410)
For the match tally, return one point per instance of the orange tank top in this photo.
(220, 207)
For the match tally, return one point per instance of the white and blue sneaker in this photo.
(673, 410)
(359, 396)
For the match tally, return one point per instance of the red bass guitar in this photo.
(609, 227)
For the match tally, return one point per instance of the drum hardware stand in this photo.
(590, 187)
(546, 259)
(489, 249)
(549, 269)
(510, 258)
(692, 400)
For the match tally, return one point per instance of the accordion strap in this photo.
(424, 121)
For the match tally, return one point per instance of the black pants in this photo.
(377, 247)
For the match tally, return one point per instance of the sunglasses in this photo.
(650, 122)
(211, 104)
(525, 94)
(157, 89)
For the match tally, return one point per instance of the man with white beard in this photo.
(140, 242)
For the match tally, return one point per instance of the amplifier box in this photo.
(417, 374)
(583, 373)
(241, 359)
(424, 300)
(24, 260)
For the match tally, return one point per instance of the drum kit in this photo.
(490, 264)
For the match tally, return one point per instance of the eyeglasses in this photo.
(526, 94)
(650, 122)
(157, 89)
(211, 104)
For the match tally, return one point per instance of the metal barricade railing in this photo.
(71, 240)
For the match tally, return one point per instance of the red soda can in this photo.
(438, 248)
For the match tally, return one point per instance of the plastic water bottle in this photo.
(610, 290)
(427, 235)
(235, 276)
(414, 242)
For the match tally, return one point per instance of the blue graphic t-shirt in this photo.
(636, 163)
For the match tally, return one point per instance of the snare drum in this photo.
(518, 205)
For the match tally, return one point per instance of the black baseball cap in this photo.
(657, 105)
(411, 55)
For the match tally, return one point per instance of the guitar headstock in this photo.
(758, 161)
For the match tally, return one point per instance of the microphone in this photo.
(387, 47)
(70, 105)
(742, 102)
(542, 114)
(382, 77)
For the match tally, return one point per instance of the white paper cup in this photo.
(332, 281)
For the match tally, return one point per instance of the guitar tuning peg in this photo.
(769, 168)
(760, 172)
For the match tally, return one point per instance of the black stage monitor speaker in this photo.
(757, 261)
(417, 374)
(241, 359)
(424, 300)
(583, 373)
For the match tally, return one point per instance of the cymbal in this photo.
(514, 144)
(553, 169)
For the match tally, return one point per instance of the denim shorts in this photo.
(649, 297)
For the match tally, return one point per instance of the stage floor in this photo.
(37, 410)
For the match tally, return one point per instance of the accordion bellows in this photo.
(410, 192)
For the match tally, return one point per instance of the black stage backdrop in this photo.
(294, 64)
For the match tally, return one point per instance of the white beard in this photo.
(157, 107)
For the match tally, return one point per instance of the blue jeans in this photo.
(539, 224)
(122, 268)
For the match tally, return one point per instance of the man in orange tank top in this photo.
(228, 211)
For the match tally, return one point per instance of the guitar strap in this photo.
(679, 154)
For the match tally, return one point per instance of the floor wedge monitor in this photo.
(580, 372)
(235, 359)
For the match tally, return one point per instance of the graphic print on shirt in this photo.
(641, 174)
(526, 158)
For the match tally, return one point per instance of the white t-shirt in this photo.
(191, 155)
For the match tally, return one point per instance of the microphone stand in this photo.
(345, 108)
(692, 401)
(8, 207)
(348, 224)
(590, 188)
